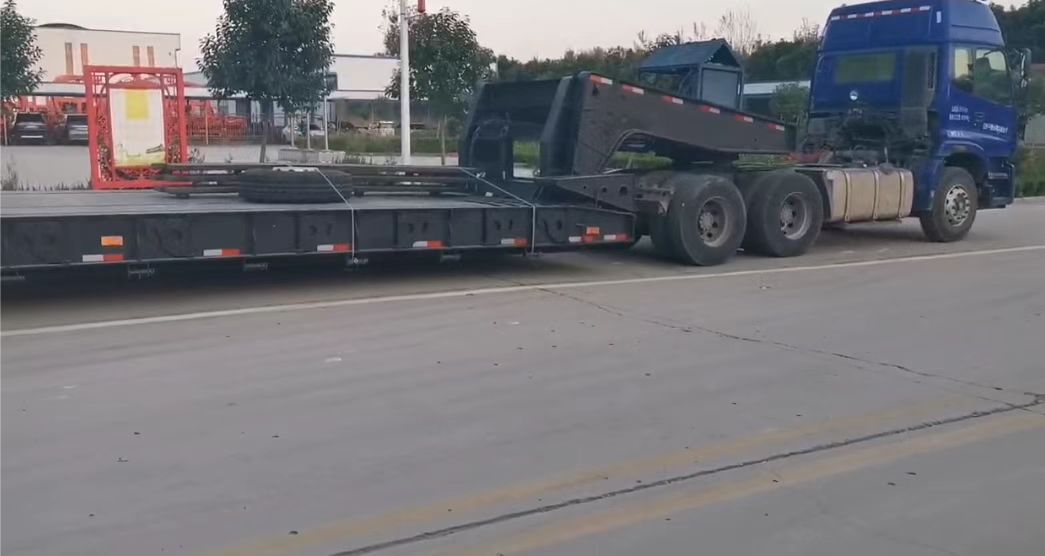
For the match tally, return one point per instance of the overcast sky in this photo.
(519, 28)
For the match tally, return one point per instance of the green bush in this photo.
(526, 153)
(360, 143)
(1030, 173)
(529, 153)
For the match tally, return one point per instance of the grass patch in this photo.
(1030, 172)
(9, 180)
(528, 154)
(360, 143)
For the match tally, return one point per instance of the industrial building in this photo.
(67, 48)
(357, 100)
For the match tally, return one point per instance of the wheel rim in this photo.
(713, 222)
(794, 216)
(957, 205)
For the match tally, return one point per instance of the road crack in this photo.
(690, 328)
(585, 500)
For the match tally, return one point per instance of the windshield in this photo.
(76, 119)
(875, 67)
(30, 118)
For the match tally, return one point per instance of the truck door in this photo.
(981, 101)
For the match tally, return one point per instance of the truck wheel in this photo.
(785, 214)
(954, 207)
(706, 220)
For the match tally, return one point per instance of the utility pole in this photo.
(326, 126)
(404, 84)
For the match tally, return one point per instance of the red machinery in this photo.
(128, 137)
(207, 124)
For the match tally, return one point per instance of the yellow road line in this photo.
(561, 531)
(427, 515)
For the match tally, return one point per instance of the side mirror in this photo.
(1020, 67)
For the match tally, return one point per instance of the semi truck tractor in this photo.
(911, 114)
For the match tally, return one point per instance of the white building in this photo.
(66, 48)
(358, 99)
(359, 77)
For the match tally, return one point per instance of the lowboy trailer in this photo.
(252, 211)
(928, 133)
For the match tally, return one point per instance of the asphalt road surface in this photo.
(880, 395)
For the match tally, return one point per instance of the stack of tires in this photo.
(294, 186)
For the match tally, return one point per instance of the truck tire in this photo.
(270, 186)
(953, 208)
(785, 213)
(706, 219)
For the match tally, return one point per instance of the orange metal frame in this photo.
(98, 81)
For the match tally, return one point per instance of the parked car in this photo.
(29, 127)
(75, 129)
(315, 130)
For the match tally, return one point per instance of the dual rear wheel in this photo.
(709, 219)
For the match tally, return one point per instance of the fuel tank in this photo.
(864, 194)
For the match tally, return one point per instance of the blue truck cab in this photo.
(925, 85)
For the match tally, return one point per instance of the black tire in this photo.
(785, 213)
(707, 219)
(749, 185)
(294, 177)
(272, 186)
(954, 206)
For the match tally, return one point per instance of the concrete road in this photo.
(880, 395)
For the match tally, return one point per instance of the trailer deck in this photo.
(59, 229)
(27, 204)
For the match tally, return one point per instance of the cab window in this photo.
(865, 68)
(984, 73)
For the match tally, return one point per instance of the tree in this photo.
(446, 62)
(19, 53)
(787, 59)
(1034, 97)
(740, 30)
(273, 51)
(617, 62)
(788, 103)
(1024, 27)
